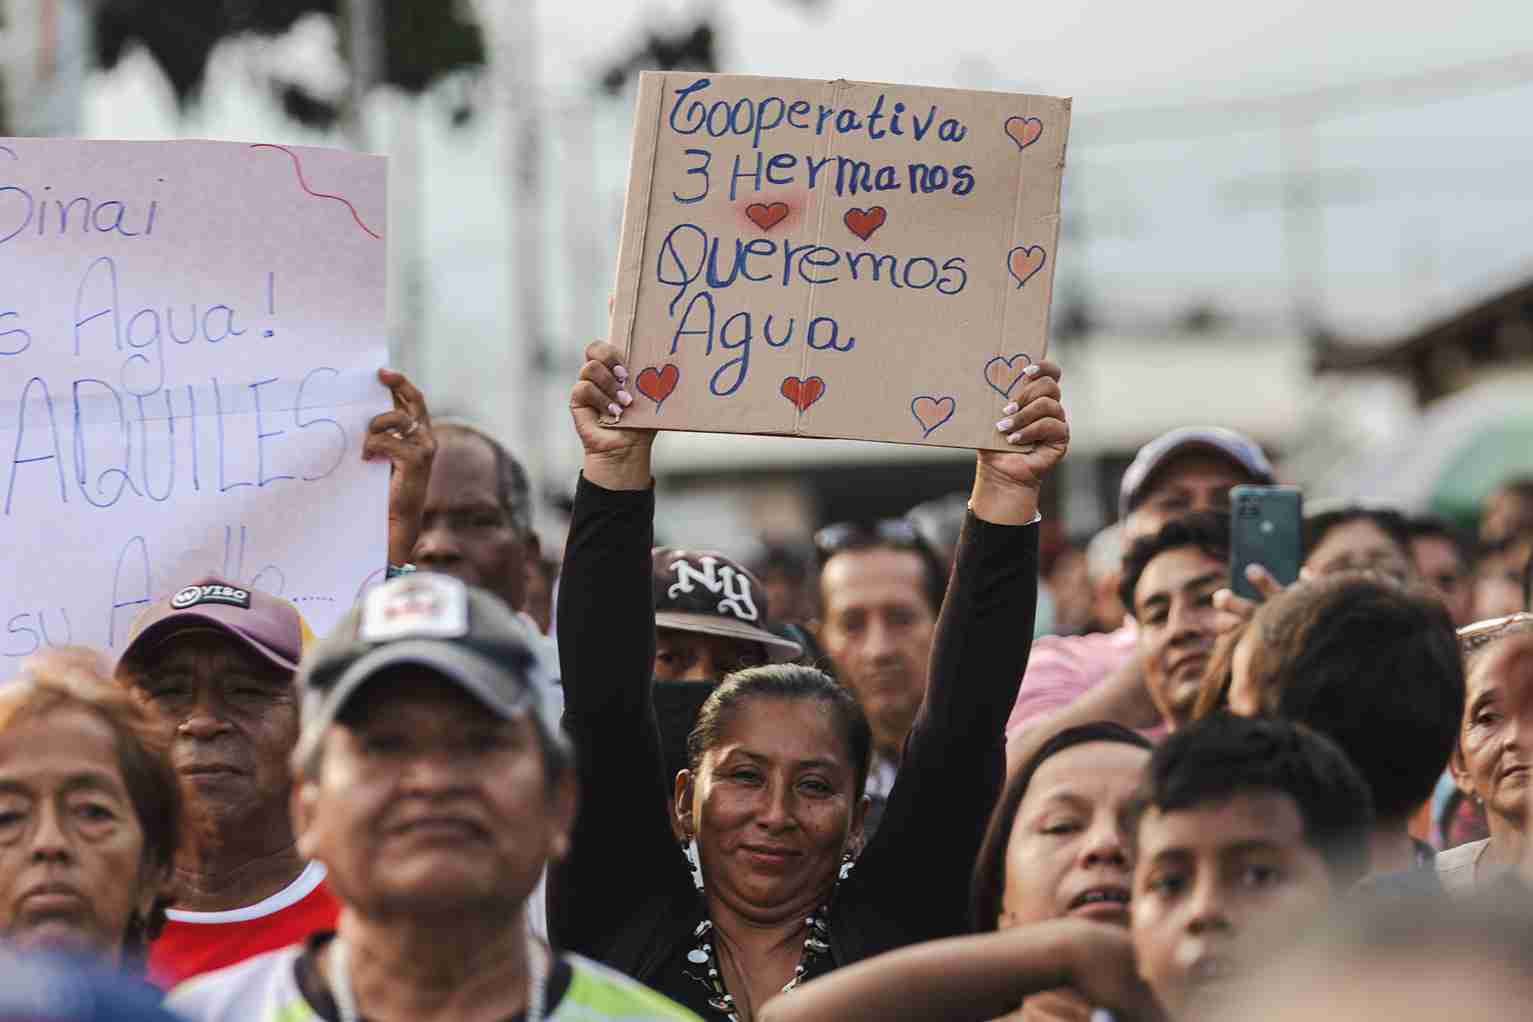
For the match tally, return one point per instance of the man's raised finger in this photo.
(410, 398)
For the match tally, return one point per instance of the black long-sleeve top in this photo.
(624, 895)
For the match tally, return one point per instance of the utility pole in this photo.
(1303, 218)
(366, 45)
(520, 99)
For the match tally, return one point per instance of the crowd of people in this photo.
(765, 785)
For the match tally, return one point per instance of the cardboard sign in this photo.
(836, 259)
(189, 337)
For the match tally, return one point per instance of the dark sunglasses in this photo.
(890, 532)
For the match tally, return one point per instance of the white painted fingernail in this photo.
(1011, 409)
(615, 410)
(1015, 438)
(624, 398)
(620, 372)
(1032, 370)
(1004, 425)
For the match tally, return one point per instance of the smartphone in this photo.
(1266, 528)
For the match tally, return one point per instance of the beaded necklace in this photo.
(816, 942)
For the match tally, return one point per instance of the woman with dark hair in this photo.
(772, 803)
(1055, 852)
(90, 814)
(1069, 793)
(1055, 846)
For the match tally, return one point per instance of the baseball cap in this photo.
(465, 634)
(706, 592)
(267, 625)
(1237, 448)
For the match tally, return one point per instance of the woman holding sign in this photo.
(769, 889)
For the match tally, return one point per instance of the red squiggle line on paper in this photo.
(298, 166)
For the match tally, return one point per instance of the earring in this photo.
(695, 862)
(848, 860)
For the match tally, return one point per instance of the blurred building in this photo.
(1470, 376)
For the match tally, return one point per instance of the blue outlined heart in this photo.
(1024, 131)
(1002, 373)
(1024, 261)
(929, 411)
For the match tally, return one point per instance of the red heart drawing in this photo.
(767, 217)
(657, 384)
(863, 222)
(1024, 131)
(803, 393)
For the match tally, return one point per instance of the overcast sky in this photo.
(1419, 207)
(1433, 201)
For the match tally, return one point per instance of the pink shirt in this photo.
(1062, 668)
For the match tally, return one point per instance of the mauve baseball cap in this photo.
(267, 625)
(1239, 449)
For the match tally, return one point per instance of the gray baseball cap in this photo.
(464, 634)
(1237, 448)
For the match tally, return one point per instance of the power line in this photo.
(1124, 126)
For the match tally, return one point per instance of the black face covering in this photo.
(677, 704)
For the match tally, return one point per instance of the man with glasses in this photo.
(880, 589)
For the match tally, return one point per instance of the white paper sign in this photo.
(189, 337)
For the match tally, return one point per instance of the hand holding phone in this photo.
(1266, 528)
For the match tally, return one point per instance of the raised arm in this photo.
(622, 851)
(953, 766)
(974, 979)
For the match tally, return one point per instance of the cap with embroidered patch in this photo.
(426, 620)
(267, 625)
(709, 593)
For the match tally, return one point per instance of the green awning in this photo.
(1493, 453)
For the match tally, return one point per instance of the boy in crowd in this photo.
(1168, 585)
(1245, 829)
